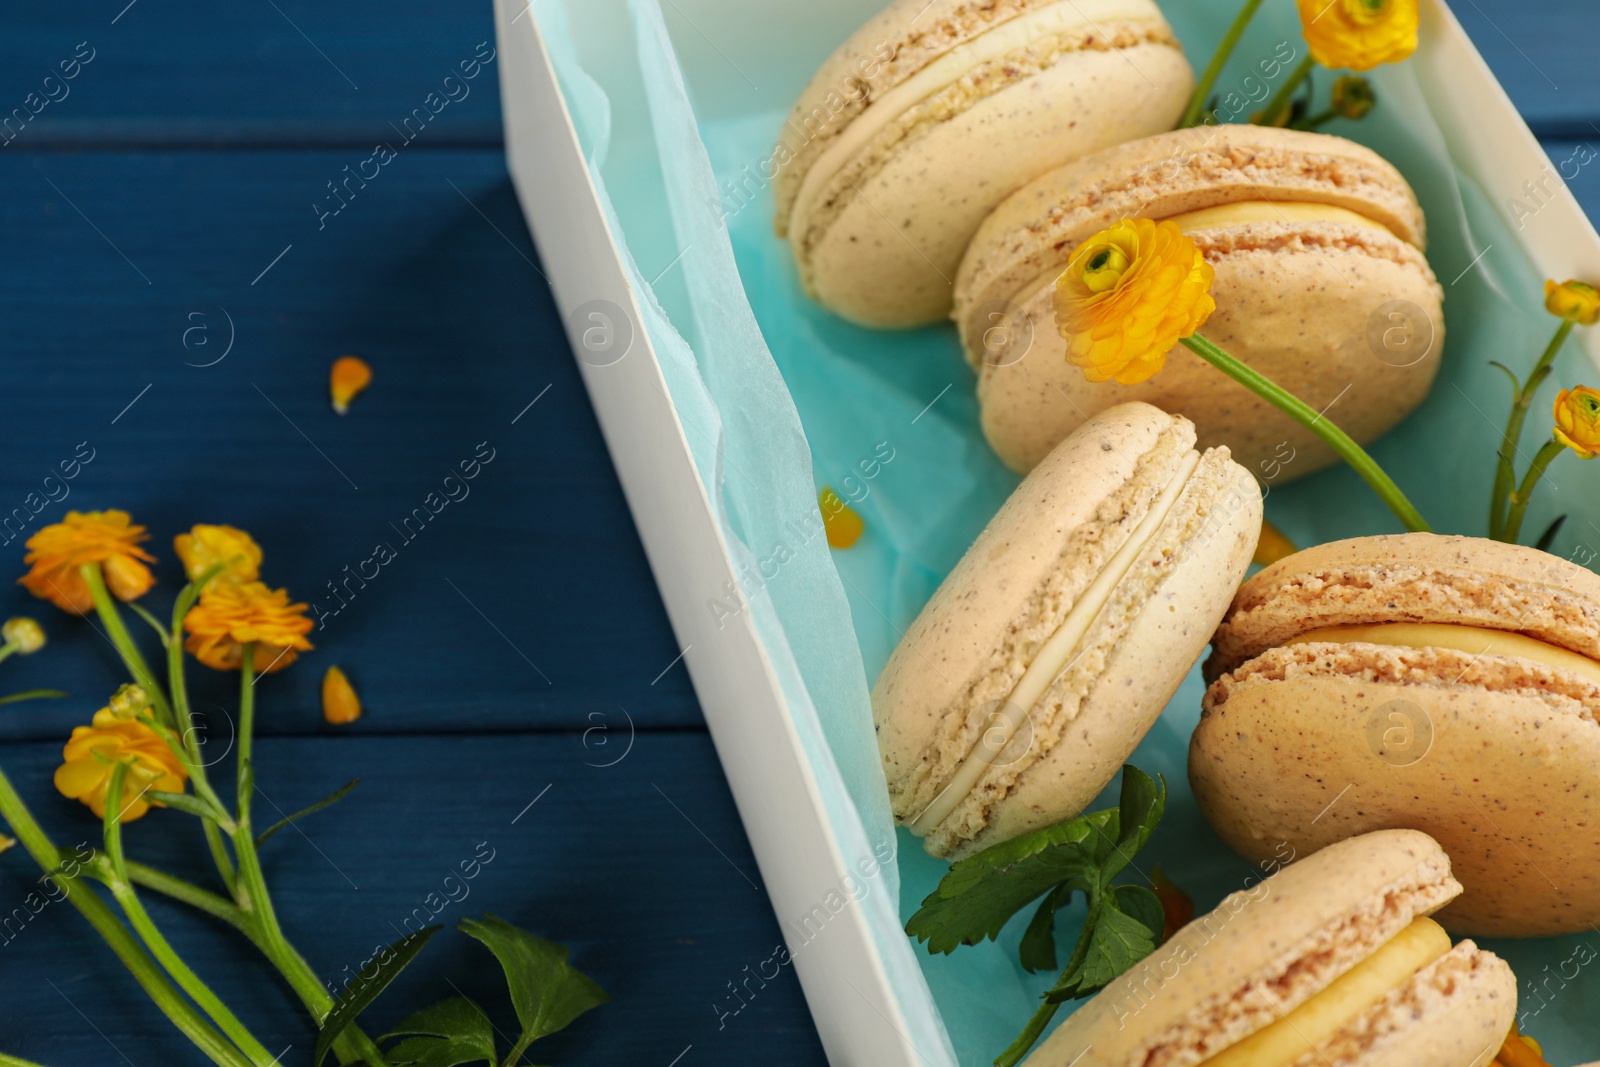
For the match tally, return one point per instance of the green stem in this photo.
(1519, 500)
(1305, 415)
(251, 892)
(1219, 60)
(191, 740)
(188, 893)
(6, 651)
(156, 985)
(1316, 121)
(16, 1061)
(123, 641)
(1499, 500)
(1047, 1010)
(1280, 99)
(123, 892)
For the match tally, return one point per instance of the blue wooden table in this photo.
(179, 276)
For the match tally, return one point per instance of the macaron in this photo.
(1331, 961)
(935, 111)
(1445, 684)
(1321, 285)
(1048, 652)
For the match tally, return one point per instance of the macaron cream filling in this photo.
(1474, 640)
(1312, 1023)
(1053, 657)
(1008, 37)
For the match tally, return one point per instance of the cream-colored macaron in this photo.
(1448, 684)
(1056, 641)
(1321, 285)
(935, 111)
(1329, 962)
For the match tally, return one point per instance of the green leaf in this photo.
(1516, 386)
(1140, 807)
(1548, 538)
(189, 804)
(547, 991)
(981, 893)
(1038, 948)
(161, 631)
(1141, 904)
(451, 1032)
(361, 993)
(327, 801)
(34, 694)
(1117, 941)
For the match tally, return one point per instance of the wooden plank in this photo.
(642, 867)
(525, 603)
(1543, 53)
(285, 71)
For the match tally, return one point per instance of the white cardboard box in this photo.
(859, 1017)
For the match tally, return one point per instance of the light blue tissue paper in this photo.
(779, 398)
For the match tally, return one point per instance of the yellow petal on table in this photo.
(340, 704)
(842, 525)
(350, 375)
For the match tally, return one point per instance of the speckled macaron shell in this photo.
(878, 242)
(1281, 939)
(1311, 304)
(1498, 757)
(963, 655)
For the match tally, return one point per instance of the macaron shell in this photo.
(890, 47)
(886, 254)
(1455, 1012)
(1261, 952)
(1415, 577)
(1211, 534)
(1036, 229)
(1496, 757)
(960, 636)
(1297, 302)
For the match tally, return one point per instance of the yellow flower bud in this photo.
(205, 546)
(1359, 34)
(26, 635)
(1128, 295)
(350, 375)
(340, 704)
(842, 525)
(1574, 301)
(1353, 96)
(128, 702)
(1577, 414)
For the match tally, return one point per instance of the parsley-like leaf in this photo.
(983, 892)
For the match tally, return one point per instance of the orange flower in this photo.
(349, 376)
(105, 537)
(1359, 34)
(93, 751)
(1577, 413)
(1128, 295)
(204, 546)
(231, 615)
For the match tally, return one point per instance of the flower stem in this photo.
(123, 641)
(188, 893)
(123, 892)
(16, 1061)
(1305, 415)
(191, 740)
(1219, 60)
(1499, 499)
(156, 985)
(1316, 121)
(1280, 99)
(1047, 1010)
(1519, 500)
(251, 891)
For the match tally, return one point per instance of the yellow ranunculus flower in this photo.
(108, 538)
(92, 752)
(1577, 414)
(1128, 295)
(205, 546)
(231, 615)
(1574, 301)
(1359, 34)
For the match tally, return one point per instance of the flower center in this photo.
(1589, 408)
(1105, 269)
